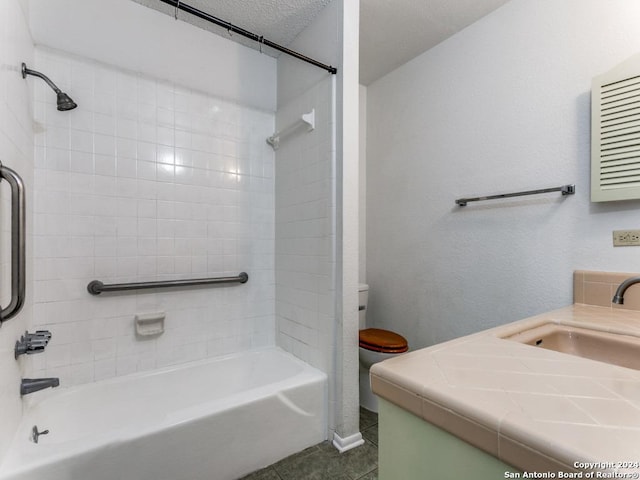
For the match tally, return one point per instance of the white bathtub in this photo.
(216, 419)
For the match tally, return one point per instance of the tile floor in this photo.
(323, 462)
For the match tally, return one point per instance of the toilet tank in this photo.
(363, 299)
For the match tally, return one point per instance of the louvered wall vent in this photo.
(615, 133)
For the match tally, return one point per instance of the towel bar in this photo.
(565, 189)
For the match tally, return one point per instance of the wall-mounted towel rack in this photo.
(564, 189)
(308, 119)
(96, 287)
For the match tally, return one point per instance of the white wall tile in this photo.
(303, 230)
(132, 195)
(17, 152)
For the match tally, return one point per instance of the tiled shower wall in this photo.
(147, 180)
(16, 152)
(305, 235)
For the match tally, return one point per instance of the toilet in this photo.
(376, 345)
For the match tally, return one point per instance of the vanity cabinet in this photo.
(411, 448)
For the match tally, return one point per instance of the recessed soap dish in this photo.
(149, 324)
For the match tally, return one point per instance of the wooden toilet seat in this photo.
(384, 341)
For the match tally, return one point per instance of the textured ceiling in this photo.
(392, 32)
(277, 20)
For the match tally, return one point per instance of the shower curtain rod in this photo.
(245, 33)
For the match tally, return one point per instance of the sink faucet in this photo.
(619, 296)
(30, 385)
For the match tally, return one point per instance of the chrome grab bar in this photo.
(564, 189)
(96, 287)
(17, 243)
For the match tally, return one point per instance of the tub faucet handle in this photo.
(31, 343)
(42, 334)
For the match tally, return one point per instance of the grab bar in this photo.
(565, 189)
(96, 287)
(17, 243)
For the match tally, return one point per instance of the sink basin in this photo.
(622, 350)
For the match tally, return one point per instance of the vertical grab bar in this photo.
(17, 243)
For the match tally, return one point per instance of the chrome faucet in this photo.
(30, 385)
(619, 296)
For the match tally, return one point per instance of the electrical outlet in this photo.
(626, 238)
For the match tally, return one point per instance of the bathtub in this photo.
(214, 419)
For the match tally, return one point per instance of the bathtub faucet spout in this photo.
(30, 385)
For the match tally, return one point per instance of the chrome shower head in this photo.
(64, 101)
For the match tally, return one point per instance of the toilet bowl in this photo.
(376, 345)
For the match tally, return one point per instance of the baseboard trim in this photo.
(347, 443)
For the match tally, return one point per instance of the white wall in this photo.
(16, 152)
(347, 156)
(318, 41)
(502, 106)
(140, 39)
(147, 180)
(362, 187)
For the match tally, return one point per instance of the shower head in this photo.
(64, 101)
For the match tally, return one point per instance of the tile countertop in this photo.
(535, 409)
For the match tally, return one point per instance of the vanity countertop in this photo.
(536, 409)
